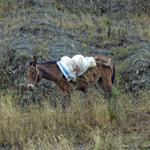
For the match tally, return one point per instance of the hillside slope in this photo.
(50, 29)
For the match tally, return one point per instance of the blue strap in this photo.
(65, 72)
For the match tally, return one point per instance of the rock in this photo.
(135, 69)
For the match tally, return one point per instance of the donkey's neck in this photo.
(48, 71)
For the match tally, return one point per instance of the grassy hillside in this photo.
(54, 28)
(89, 123)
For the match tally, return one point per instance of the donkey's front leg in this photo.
(66, 99)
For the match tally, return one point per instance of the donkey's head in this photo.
(33, 74)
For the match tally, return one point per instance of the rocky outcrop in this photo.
(135, 68)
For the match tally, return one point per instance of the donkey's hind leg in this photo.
(108, 91)
(106, 85)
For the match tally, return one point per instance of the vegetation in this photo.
(31, 121)
(91, 123)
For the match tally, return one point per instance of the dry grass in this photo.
(89, 122)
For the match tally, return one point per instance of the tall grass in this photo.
(89, 122)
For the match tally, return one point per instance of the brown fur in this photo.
(104, 78)
(101, 74)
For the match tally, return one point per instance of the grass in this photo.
(89, 122)
(121, 53)
(142, 25)
(93, 29)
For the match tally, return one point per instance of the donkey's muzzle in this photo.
(31, 86)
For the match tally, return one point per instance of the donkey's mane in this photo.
(47, 62)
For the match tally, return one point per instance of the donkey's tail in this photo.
(113, 75)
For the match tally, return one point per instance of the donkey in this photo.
(103, 74)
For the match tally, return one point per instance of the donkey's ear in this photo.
(34, 61)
